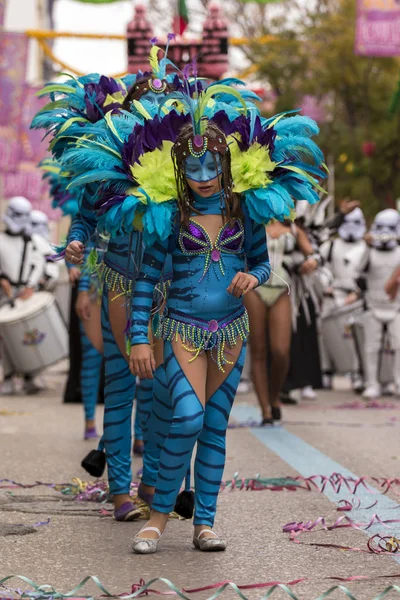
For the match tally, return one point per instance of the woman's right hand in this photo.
(141, 361)
(74, 253)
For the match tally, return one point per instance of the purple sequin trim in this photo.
(229, 232)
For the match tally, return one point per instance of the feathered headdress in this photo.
(78, 102)
(58, 179)
(156, 79)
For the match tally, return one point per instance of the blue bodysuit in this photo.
(118, 272)
(201, 312)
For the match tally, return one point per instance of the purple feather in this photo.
(96, 95)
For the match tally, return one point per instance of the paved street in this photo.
(41, 440)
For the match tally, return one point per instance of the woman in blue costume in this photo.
(79, 114)
(119, 270)
(216, 258)
(219, 253)
(205, 320)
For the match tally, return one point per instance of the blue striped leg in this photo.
(158, 427)
(187, 423)
(210, 457)
(119, 392)
(90, 375)
(144, 398)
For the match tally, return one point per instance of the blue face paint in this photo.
(203, 169)
(153, 97)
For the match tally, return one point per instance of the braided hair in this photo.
(218, 146)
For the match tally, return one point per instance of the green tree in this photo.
(315, 56)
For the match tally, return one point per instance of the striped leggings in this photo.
(119, 392)
(90, 375)
(177, 422)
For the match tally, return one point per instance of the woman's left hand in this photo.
(308, 266)
(241, 284)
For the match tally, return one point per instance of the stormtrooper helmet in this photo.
(353, 227)
(17, 217)
(40, 223)
(385, 229)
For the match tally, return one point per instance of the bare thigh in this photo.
(195, 371)
(216, 377)
(258, 315)
(92, 327)
(280, 325)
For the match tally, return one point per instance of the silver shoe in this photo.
(143, 545)
(208, 544)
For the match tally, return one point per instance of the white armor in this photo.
(343, 255)
(17, 216)
(377, 265)
(21, 263)
(40, 224)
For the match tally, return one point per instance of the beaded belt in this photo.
(114, 281)
(199, 335)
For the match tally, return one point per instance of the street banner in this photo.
(13, 65)
(378, 28)
(2, 11)
(33, 147)
(10, 148)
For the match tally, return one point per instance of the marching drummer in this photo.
(21, 269)
(382, 315)
(343, 255)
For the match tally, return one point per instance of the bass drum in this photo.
(337, 336)
(386, 355)
(34, 333)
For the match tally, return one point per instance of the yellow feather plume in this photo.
(250, 168)
(155, 174)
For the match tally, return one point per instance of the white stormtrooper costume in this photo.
(21, 267)
(376, 266)
(343, 256)
(40, 235)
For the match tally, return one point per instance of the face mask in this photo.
(353, 228)
(17, 222)
(385, 229)
(203, 169)
(40, 229)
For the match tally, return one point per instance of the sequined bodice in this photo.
(196, 240)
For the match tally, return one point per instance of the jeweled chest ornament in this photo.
(198, 146)
(157, 85)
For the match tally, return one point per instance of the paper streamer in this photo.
(377, 544)
(47, 592)
(295, 528)
(372, 404)
(96, 491)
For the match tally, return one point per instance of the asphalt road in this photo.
(41, 440)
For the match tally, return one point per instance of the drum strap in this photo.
(27, 239)
(329, 257)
